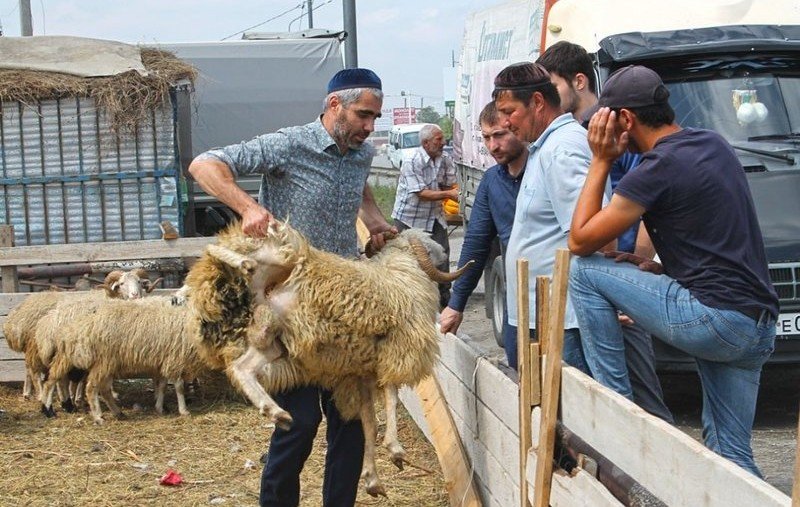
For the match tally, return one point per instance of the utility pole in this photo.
(310, 14)
(25, 21)
(351, 44)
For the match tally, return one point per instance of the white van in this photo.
(403, 139)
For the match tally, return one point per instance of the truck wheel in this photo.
(496, 298)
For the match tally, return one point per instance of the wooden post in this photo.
(552, 381)
(542, 310)
(524, 371)
(796, 485)
(8, 273)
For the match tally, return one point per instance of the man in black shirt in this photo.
(714, 299)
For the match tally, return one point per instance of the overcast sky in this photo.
(407, 42)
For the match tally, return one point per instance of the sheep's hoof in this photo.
(26, 397)
(68, 406)
(48, 412)
(398, 460)
(283, 421)
(99, 421)
(376, 489)
(184, 413)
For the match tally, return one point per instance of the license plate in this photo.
(788, 324)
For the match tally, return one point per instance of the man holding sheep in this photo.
(316, 175)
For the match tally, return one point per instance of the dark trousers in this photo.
(288, 451)
(639, 357)
(439, 235)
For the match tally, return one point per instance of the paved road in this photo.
(775, 428)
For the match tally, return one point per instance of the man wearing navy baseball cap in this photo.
(712, 297)
(317, 174)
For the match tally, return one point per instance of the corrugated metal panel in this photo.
(66, 178)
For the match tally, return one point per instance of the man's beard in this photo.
(343, 134)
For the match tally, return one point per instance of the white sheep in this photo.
(119, 339)
(345, 325)
(21, 324)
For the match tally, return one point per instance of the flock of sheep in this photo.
(273, 313)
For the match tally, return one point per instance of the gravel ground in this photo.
(775, 429)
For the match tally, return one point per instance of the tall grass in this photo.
(384, 197)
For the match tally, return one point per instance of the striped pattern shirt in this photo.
(421, 172)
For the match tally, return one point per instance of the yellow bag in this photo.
(450, 206)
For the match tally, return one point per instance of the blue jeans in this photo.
(729, 347)
(572, 353)
(288, 451)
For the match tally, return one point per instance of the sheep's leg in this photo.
(161, 386)
(244, 372)
(59, 368)
(79, 390)
(27, 387)
(92, 396)
(62, 386)
(369, 471)
(179, 393)
(390, 440)
(107, 393)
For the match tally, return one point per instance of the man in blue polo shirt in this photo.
(714, 300)
(492, 216)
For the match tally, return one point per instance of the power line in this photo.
(302, 13)
(298, 6)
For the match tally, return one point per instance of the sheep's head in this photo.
(267, 262)
(428, 253)
(128, 284)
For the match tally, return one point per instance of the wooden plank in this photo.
(578, 489)
(535, 377)
(110, 251)
(493, 388)
(524, 372)
(551, 381)
(10, 283)
(12, 371)
(6, 354)
(542, 309)
(669, 463)
(9, 301)
(796, 485)
(447, 444)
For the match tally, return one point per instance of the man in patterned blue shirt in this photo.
(316, 175)
(427, 179)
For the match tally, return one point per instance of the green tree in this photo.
(446, 124)
(428, 115)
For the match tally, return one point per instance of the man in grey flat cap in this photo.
(712, 298)
(317, 174)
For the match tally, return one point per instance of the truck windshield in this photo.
(747, 108)
(410, 140)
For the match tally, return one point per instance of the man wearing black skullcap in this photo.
(557, 164)
(714, 300)
(317, 175)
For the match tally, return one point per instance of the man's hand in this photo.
(643, 263)
(453, 194)
(377, 238)
(449, 320)
(255, 221)
(603, 138)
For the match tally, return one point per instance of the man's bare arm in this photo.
(438, 195)
(373, 218)
(216, 179)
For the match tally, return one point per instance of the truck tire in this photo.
(496, 298)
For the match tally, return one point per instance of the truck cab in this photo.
(732, 67)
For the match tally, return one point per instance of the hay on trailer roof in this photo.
(128, 98)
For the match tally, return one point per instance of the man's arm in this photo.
(438, 195)
(477, 243)
(592, 225)
(644, 245)
(216, 178)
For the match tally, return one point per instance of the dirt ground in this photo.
(68, 461)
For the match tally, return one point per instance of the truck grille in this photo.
(786, 279)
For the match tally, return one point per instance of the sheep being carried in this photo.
(346, 325)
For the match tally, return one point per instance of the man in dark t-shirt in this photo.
(712, 298)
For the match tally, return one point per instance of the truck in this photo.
(730, 66)
(249, 87)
